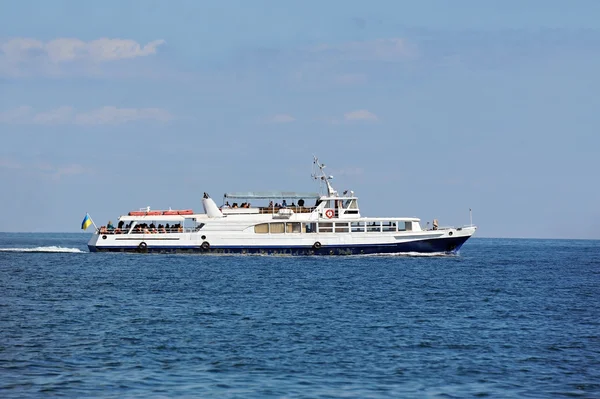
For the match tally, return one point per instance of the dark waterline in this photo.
(507, 318)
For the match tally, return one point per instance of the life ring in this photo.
(142, 246)
(205, 245)
(317, 245)
(329, 213)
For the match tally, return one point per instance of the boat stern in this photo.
(92, 243)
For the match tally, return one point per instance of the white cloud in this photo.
(17, 115)
(281, 118)
(108, 115)
(115, 116)
(380, 49)
(58, 116)
(360, 115)
(70, 49)
(25, 56)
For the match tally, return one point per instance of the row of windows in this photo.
(332, 227)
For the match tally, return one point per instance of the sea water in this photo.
(504, 318)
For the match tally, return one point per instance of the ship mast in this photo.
(323, 177)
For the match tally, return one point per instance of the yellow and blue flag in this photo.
(87, 221)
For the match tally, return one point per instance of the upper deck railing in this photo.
(265, 210)
(296, 209)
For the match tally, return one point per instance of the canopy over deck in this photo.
(271, 195)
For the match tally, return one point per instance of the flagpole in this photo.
(96, 227)
(471, 216)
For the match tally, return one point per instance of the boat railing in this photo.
(162, 230)
(297, 209)
(265, 210)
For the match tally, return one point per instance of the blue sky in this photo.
(422, 108)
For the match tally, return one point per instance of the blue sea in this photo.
(504, 318)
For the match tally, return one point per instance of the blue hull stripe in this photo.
(448, 245)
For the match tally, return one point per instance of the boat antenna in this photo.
(471, 216)
(323, 177)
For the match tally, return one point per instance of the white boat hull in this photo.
(207, 242)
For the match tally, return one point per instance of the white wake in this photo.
(413, 254)
(50, 249)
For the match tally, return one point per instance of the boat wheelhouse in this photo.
(284, 223)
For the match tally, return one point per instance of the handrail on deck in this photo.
(147, 231)
(296, 209)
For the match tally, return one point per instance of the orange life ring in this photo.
(329, 213)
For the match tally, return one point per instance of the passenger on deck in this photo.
(227, 205)
(167, 228)
(284, 204)
(300, 202)
(235, 205)
(270, 204)
(110, 226)
(293, 205)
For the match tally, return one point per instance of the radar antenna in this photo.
(320, 174)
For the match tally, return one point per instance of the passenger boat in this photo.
(330, 225)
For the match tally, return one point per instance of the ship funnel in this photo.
(210, 207)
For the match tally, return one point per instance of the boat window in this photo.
(262, 228)
(357, 227)
(325, 227)
(408, 226)
(388, 226)
(293, 228)
(402, 226)
(341, 228)
(277, 228)
(373, 227)
(309, 227)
